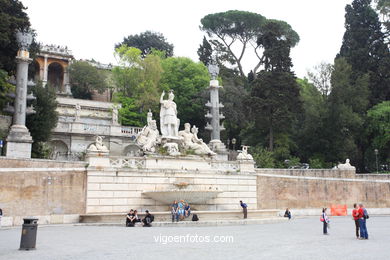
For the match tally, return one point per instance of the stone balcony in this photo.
(96, 129)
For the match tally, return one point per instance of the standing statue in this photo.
(77, 112)
(115, 114)
(169, 123)
(191, 140)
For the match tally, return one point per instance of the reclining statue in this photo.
(148, 138)
(98, 146)
(191, 140)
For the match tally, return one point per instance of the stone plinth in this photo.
(19, 142)
(98, 159)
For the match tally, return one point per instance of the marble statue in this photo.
(169, 123)
(345, 165)
(244, 155)
(191, 140)
(98, 146)
(149, 137)
(115, 115)
(77, 112)
(172, 149)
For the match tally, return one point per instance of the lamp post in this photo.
(234, 143)
(376, 159)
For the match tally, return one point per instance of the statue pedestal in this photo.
(19, 142)
(98, 159)
(218, 147)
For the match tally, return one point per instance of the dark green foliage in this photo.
(365, 50)
(86, 78)
(309, 134)
(205, 51)
(344, 124)
(44, 120)
(12, 18)
(5, 88)
(275, 103)
(147, 41)
(129, 114)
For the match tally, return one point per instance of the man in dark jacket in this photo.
(148, 219)
(244, 208)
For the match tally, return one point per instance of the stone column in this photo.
(67, 89)
(45, 71)
(19, 139)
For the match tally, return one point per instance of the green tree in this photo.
(45, 118)
(189, 81)
(275, 103)
(239, 30)
(205, 51)
(364, 48)
(309, 132)
(129, 113)
(137, 78)
(344, 124)
(379, 131)
(320, 77)
(86, 78)
(12, 18)
(147, 41)
(383, 7)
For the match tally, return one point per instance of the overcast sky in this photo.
(91, 28)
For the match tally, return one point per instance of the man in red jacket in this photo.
(362, 222)
(355, 216)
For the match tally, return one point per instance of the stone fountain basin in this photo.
(190, 196)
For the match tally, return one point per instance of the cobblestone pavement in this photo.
(296, 239)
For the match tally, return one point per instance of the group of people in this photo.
(359, 215)
(132, 218)
(180, 210)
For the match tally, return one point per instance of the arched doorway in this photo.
(33, 71)
(59, 150)
(55, 76)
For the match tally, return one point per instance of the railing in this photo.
(128, 162)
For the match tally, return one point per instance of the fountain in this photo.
(181, 191)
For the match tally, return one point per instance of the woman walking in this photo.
(325, 220)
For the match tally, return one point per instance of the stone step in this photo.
(225, 222)
(166, 216)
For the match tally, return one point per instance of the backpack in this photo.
(365, 214)
(195, 217)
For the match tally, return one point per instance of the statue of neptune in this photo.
(169, 123)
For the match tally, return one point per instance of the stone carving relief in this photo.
(149, 137)
(98, 146)
(169, 123)
(191, 140)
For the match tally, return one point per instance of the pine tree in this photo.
(365, 50)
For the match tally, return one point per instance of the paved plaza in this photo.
(299, 238)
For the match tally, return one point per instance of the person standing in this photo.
(325, 220)
(244, 209)
(355, 217)
(174, 211)
(1, 215)
(363, 215)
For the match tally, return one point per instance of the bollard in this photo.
(29, 234)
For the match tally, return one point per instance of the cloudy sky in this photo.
(90, 28)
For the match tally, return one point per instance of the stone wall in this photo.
(52, 191)
(279, 188)
(116, 191)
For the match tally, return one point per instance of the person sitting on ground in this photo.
(129, 218)
(287, 214)
(135, 217)
(148, 219)
(181, 209)
(174, 211)
(187, 210)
